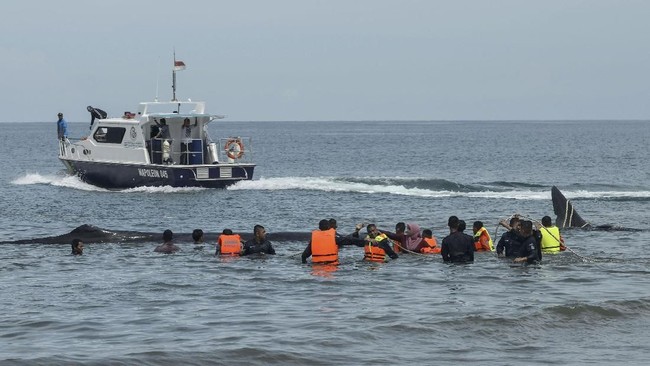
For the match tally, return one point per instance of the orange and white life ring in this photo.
(234, 148)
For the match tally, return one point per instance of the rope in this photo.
(409, 251)
(584, 259)
(496, 255)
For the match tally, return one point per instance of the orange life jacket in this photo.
(482, 241)
(229, 244)
(323, 246)
(374, 253)
(397, 246)
(433, 247)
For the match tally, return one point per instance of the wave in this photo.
(416, 187)
(428, 187)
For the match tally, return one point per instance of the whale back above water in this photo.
(91, 234)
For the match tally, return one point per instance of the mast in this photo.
(174, 79)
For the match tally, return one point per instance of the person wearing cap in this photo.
(61, 127)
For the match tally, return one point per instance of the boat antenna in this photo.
(174, 79)
(157, 78)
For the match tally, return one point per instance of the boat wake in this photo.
(429, 187)
(67, 181)
(70, 181)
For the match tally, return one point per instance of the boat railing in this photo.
(231, 150)
(71, 148)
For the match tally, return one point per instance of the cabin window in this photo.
(109, 135)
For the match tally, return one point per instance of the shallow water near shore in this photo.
(124, 304)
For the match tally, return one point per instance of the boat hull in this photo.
(123, 176)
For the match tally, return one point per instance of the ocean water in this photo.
(123, 304)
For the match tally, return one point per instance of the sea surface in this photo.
(122, 304)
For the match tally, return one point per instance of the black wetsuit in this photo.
(385, 245)
(457, 247)
(253, 247)
(529, 249)
(511, 242)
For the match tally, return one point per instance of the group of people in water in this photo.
(523, 242)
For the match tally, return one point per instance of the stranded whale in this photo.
(90, 234)
(567, 217)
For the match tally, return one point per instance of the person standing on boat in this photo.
(61, 127)
(258, 244)
(457, 247)
(187, 129)
(163, 133)
(165, 136)
(186, 132)
(167, 247)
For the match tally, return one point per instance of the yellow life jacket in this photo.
(323, 246)
(550, 239)
(483, 233)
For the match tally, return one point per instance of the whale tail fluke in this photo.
(566, 214)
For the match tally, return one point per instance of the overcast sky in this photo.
(330, 60)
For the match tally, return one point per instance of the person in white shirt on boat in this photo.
(166, 137)
(187, 128)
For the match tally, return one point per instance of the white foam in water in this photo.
(163, 189)
(605, 194)
(72, 181)
(69, 181)
(336, 185)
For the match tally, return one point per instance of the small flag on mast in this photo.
(179, 65)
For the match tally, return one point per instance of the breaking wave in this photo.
(425, 187)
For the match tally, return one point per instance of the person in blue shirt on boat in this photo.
(61, 127)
